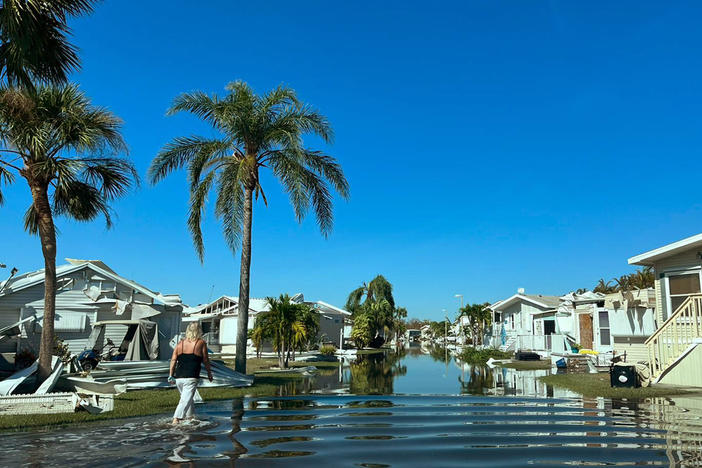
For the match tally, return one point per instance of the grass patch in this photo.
(471, 355)
(597, 385)
(526, 365)
(262, 365)
(140, 403)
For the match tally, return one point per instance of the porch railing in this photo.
(671, 339)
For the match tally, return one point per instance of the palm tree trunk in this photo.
(47, 236)
(244, 280)
(281, 355)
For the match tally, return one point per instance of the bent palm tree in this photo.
(34, 40)
(257, 132)
(58, 142)
(378, 289)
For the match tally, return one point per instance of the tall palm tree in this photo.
(34, 40)
(65, 148)
(256, 132)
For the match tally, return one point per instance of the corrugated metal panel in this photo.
(70, 321)
(116, 333)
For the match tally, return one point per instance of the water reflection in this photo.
(374, 374)
(403, 409)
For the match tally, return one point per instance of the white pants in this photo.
(187, 388)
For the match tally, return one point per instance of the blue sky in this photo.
(489, 145)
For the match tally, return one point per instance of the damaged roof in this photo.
(33, 278)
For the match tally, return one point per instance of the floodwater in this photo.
(411, 409)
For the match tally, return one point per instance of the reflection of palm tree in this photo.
(480, 380)
(375, 373)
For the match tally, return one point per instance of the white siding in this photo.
(72, 302)
(682, 261)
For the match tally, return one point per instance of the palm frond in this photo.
(198, 197)
(113, 176)
(229, 206)
(81, 201)
(329, 168)
(31, 220)
(35, 40)
(6, 178)
(199, 104)
(178, 153)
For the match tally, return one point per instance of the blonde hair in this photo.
(193, 332)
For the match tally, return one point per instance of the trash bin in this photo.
(624, 376)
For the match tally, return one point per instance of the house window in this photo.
(498, 317)
(680, 286)
(511, 321)
(605, 338)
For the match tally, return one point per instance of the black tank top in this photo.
(188, 365)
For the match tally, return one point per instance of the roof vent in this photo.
(520, 291)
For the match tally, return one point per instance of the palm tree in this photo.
(478, 318)
(288, 325)
(379, 288)
(64, 147)
(34, 44)
(604, 287)
(257, 132)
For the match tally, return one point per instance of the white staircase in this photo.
(509, 344)
(673, 339)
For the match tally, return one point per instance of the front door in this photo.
(585, 321)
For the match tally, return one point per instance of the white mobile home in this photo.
(614, 323)
(524, 321)
(675, 356)
(88, 291)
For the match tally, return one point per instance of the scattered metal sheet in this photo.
(50, 381)
(9, 385)
(154, 374)
(90, 385)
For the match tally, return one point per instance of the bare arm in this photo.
(173, 361)
(206, 360)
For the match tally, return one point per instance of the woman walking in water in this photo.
(186, 363)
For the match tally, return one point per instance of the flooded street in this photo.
(410, 410)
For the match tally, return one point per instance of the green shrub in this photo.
(475, 356)
(327, 350)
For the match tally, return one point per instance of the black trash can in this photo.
(624, 376)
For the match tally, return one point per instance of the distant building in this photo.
(219, 320)
(523, 321)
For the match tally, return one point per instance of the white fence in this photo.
(552, 343)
